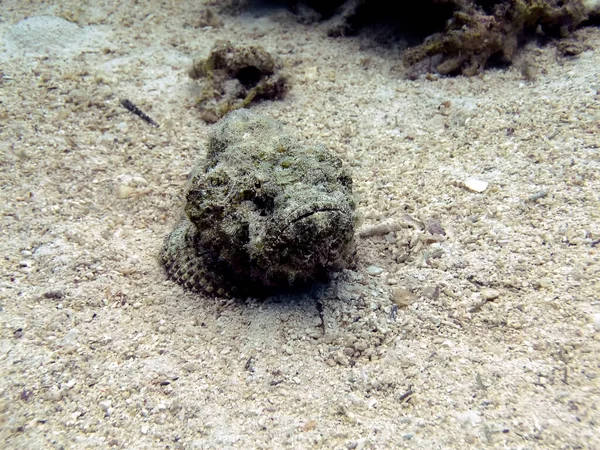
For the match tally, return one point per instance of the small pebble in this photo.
(475, 185)
(191, 366)
(597, 321)
(430, 292)
(489, 294)
(469, 418)
(361, 444)
(56, 295)
(374, 270)
(402, 297)
(54, 395)
(361, 346)
(124, 191)
(105, 405)
(342, 360)
(390, 238)
(545, 282)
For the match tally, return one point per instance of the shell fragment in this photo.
(475, 185)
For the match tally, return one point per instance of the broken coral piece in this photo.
(236, 76)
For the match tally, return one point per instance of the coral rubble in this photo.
(478, 31)
(234, 77)
(456, 36)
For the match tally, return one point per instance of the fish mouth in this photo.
(303, 213)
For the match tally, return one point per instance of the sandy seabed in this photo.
(474, 323)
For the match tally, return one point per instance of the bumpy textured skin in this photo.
(263, 214)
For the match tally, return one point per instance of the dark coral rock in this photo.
(464, 34)
(264, 213)
(234, 77)
(481, 30)
(454, 36)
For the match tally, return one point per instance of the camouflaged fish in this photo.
(264, 213)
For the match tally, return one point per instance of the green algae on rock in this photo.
(264, 213)
(234, 77)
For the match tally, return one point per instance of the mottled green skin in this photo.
(264, 213)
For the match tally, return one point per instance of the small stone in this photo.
(349, 351)
(124, 191)
(402, 297)
(71, 337)
(105, 405)
(434, 227)
(191, 367)
(475, 185)
(390, 238)
(311, 73)
(374, 270)
(470, 417)
(55, 295)
(596, 318)
(430, 292)
(54, 395)
(361, 444)
(144, 429)
(361, 346)
(489, 294)
(544, 282)
(342, 360)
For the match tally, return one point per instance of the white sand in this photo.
(494, 343)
